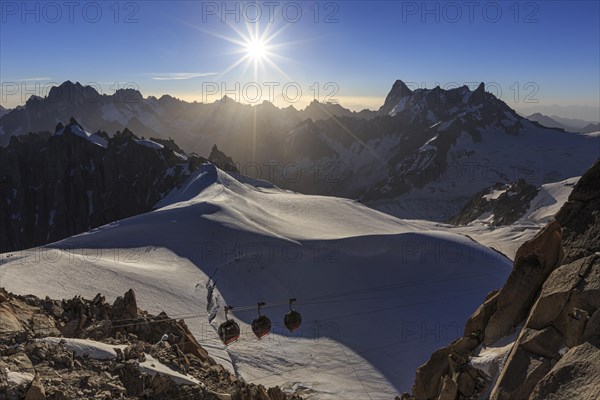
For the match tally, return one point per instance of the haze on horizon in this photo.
(529, 54)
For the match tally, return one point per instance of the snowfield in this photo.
(377, 294)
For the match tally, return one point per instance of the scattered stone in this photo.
(36, 390)
(49, 370)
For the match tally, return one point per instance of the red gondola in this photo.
(292, 319)
(229, 331)
(261, 326)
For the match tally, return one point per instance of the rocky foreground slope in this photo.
(77, 348)
(539, 336)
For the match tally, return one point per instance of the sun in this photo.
(256, 49)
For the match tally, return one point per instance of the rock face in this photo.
(34, 366)
(55, 186)
(504, 203)
(580, 215)
(551, 301)
(221, 160)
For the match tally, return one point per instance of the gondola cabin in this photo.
(292, 319)
(229, 331)
(261, 326)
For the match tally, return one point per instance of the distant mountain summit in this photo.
(225, 122)
(590, 128)
(424, 153)
(399, 91)
(430, 150)
(568, 124)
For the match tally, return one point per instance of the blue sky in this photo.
(531, 54)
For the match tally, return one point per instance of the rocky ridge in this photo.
(549, 307)
(77, 348)
(53, 186)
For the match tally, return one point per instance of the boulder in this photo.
(477, 322)
(521, 373)
(125, 307)
(575, 376)
(546, 342)
(43, 325)
(592, 328)
(8, 320)
(189, 345)
(449, 389)
(429, 375)
(570, 295)
(466, 385)
(36, 390)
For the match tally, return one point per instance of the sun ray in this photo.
(277, 68)
(232, 66)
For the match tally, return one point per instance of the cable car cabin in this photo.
(261, 326)
(292, 319)
(229, 331)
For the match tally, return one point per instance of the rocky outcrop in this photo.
(533, 263)
(34, 366)
(575, 376)
(551, 302)
(221, 160)
(502, 204)
(580, 216)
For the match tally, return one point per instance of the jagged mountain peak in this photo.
(73, 93)
(423, 99)
(398, 92)
(400, 88)
(73, 121)
(128, 95)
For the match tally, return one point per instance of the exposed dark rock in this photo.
(52, 187)
(534, 261)
(505, 209)
(546, 342)
(575, 376)
(221, 160)
(579, 216)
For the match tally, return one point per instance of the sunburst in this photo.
(257, 48)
